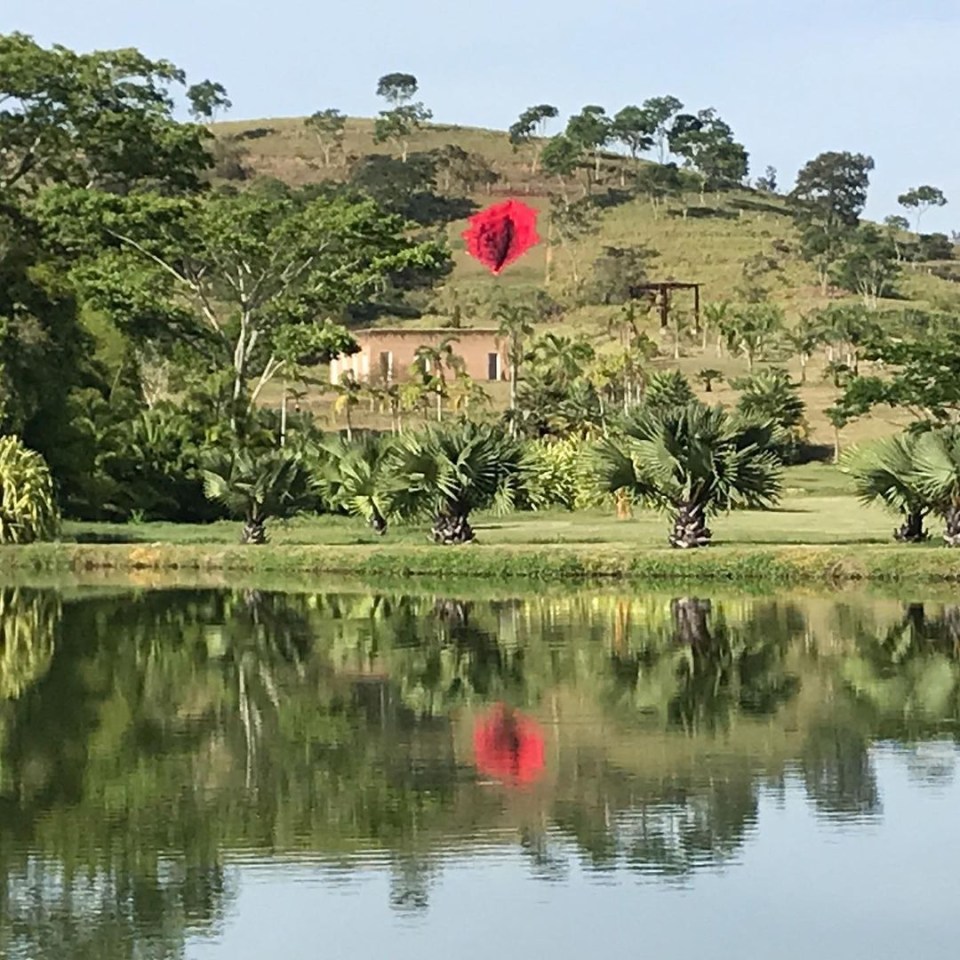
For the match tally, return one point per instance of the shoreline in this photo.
(825, 565)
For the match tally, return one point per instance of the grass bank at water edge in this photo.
(772, 564)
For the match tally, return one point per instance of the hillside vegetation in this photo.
(732, 241)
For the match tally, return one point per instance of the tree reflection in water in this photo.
(145, 736)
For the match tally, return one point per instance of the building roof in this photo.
(425, 331)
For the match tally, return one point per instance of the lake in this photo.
(477, 772)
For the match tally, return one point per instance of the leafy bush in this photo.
(554, 473)
(28, 505)
(668, 390)
(770, 396)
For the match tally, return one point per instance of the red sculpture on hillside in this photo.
(501, 233)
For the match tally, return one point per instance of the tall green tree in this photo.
(405, 116)
(240, 279)
(708, 147)
(660, 113)
(592, 130)
(515, 324)
(869, 264)
(830, 194)
(102, 119)
(633, 127)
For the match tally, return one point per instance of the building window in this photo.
(493, 366)
(386, 366)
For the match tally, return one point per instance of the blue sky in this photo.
(792, 77)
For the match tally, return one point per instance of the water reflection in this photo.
(149, 740)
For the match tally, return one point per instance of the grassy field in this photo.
(820, 533)
(708, 243)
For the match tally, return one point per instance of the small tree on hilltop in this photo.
(530, 129)
(207, 99)
(921, 199)
(329, 127)
(405, 116)
(592, 129)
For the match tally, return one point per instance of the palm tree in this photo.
(886, 471)
(349, 391)
(690, 461)
(937, 465)
(771, 396)
(713, 317)
(515, 325)
(431, 364)
(447, 472)
(353, 479)
(803, 339)
(258, 488)
(561, 358)
(466, 393)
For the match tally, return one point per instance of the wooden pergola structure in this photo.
(660, 293)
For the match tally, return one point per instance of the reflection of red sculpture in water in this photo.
(508, 746)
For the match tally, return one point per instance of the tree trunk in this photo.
(451, 528)
(911, 530)
(254, 531)
(283, 416)
(951, 535)
(378, 522)
(690, 625)
(690, 527)
(349, 425)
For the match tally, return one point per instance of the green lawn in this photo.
(816, 510)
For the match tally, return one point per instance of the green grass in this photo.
(819, 534)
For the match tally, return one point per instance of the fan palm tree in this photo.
(352, 479)
(258, 488)
(447, 472)
(690, 461)
(937, 466)
(885, 471)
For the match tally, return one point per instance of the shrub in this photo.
(28, 504)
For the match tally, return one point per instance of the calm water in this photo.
(215, 774)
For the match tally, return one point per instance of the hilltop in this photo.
(721, 240)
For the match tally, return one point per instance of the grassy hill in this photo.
(706, 241)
